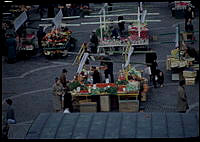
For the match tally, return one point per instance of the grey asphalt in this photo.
(29, 82)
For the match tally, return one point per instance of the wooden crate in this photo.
(175, 76)
(88, 107)
(105, 103)
(189, 74)
(128, 106)
(189, 81)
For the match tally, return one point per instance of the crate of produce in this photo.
(105, 103)
(128, 106)
(188, 74)
(88, 107)
(189, 81)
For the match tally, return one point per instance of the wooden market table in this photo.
(111, 99)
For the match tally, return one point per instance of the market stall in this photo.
(26, 45)
(178, 64)
(56, 42)
(179, 8)
(143, 40)
(108, 42)
(129, 89)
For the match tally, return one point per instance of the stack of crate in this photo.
(88, 107)
(105, 103)
(128, 105)
(189, 77)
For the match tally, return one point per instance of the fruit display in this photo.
(56, 38)
(134, 72)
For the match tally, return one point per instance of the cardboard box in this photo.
(189, 81)
(105, 103)
(189, 74)
(175, 76)
(128, 105)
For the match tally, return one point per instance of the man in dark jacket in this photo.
(51, 13)
(10, 116)
(182, 104)
(40, 35)
(11, 45)
(153, 72)
(96, 75)
(160, 76)
(63, 79)
(94, 40)
(121, 25)
(189, 28)
(68, 100)
(108, 67)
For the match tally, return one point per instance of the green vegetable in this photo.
(74, 85)
(111, 90)
(122, 82)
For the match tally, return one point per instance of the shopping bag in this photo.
(147, 70)
(156, 77)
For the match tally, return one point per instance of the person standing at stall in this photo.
(108, 68)
(51, 13)
(40, 35)
(95, 75)
(121, 25)
(189, 14)
(11, 45)
(63, 78)
(58, 91)
(189, 29)
(67, 100)
(160, 77)
(94, 40)
(182, 104)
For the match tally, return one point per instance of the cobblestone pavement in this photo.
(29, 82)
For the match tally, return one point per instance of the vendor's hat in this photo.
(94, 31)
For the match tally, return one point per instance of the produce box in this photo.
(128, 106)
(105, 103)
(189, 74)
(175, 76)
(189, 81)
(88, 107)
(168, 64)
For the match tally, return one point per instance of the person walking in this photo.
(153, 72)
(108, 68)
(63, 78)
(182, 104)
(10, 115)
(160, 77)
(94, 40)
(58, 91)
(11, 44)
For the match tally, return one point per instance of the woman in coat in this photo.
(58, 91)
(182, 104)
